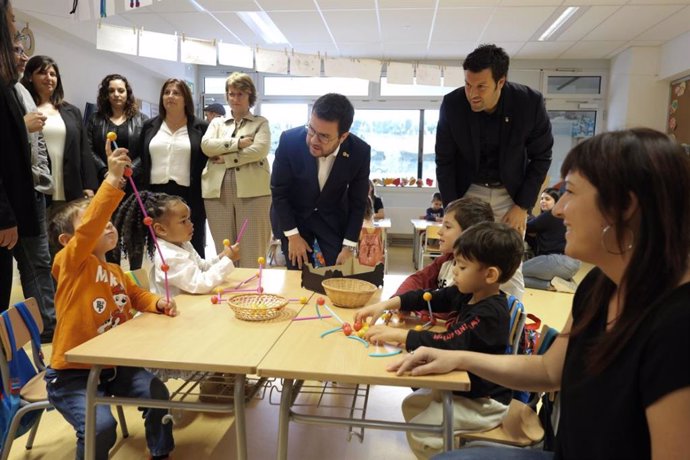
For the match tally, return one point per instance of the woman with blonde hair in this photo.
(236, 181)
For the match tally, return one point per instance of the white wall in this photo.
(82, 66)
(675, 58)
(636, 96)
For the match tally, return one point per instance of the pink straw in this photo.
(244, 227)
(242, 283)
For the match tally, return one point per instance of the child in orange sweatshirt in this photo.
(92, 297)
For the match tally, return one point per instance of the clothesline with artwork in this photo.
(174, 47)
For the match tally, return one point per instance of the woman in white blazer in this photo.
(235, 184)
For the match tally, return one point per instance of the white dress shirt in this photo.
(55, 133)
(171, 156)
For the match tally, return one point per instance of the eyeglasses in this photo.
(19, 51)
(322, 138)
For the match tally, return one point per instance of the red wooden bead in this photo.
(214, 299)
(320, 301)
(128, 172)
(165, 268)
(148, 221)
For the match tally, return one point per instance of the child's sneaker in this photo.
(561, 285)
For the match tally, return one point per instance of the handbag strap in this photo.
(535, 324)
(13, 364)
(33, 330)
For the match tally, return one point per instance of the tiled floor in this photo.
(208, 436)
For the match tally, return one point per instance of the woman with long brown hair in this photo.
(622, 363)
(171, 158)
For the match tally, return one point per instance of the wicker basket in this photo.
(257, 307)
(348, 292)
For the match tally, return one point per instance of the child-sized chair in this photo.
(430, 244)
(521, 426)
(33, 394)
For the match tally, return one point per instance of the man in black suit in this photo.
(493, 142)
(493, 138)
(319, 184)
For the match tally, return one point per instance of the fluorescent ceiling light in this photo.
(558, 23)
(262, 25)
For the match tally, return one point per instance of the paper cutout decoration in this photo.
(307, 65)
(116, 39)
(368, 69)
(235, 55)
(429, 75)
(400, 73)
(197, 51)
(157, 45)
(453, 77)
(271, 61)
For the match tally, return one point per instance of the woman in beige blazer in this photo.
(235, 184)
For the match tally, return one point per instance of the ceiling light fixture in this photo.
(262, 25)
(558, 23)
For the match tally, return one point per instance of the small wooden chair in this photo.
(140, 277)
(33, 394)
(521, 426)
(430, 244)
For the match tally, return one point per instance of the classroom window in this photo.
(394, 139)
(569, 128)
(281, 117)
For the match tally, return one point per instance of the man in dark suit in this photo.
(493, 137)
(493, 142)
(319, 185)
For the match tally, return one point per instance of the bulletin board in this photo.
(678, 125)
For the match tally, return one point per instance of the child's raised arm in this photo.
(118, 160)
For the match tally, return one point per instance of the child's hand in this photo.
(371, 311)
(386, 334)
(167, 307)
(231, 252)
(117, 162)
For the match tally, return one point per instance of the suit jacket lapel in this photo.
(312, 173)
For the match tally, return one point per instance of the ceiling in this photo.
(398, 29)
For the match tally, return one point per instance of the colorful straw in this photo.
(244, 227)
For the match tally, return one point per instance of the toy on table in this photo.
(428, 319)
(148, 221)
(218, 297)
(354, 331)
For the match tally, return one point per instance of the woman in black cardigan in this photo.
(171, 157)
(71, 164)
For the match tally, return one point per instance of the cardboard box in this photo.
(312, 277)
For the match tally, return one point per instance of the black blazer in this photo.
(78, 169)
(196, 129)
(525, 144)
(97, 129)
(338, 209)
(17, 203)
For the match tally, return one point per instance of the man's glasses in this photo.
(19, 51)
(322, 138)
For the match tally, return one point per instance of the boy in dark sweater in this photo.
(486, 255)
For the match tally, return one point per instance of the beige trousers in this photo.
(426, 406)
(227, 214)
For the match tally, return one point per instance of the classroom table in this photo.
(418, 227)
(203, 337)
(301, 354)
